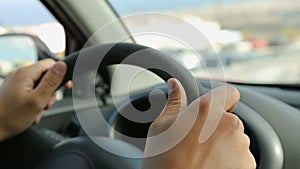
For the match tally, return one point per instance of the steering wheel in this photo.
(89, 155)
(83, 149)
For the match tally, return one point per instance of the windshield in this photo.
(256, 41)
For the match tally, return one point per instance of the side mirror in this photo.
(18, 50)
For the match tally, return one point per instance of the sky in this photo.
(31, 12)
(23, 12)
(130, 6)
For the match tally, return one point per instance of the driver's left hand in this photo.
(21, 103)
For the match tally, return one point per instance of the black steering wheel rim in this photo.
(116, 53)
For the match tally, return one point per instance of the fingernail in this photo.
(59, 68)
(171, 85)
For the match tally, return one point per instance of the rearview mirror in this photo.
(18, 50)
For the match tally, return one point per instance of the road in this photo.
(280, 68)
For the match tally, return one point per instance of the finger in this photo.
(50, 82)
(38, 118)
(177, 100)
(11, 74)
(39, 68)
(242, 127)
(226, 97)
(214, 104)
(50, 102)
(232, 98)
(177, 97)
(68, 85)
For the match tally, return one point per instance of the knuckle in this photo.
(247, 141)
(50, 61)
(242, 126)
(20, 71)
(20, 74)
(163, 123)
(205, 105)
(156, 124)
(232, 120)
(254, 165)
(34, 103)
(12, 73)
(51, 82)
(251, 161)
(173, 105)
(235, 92)
(45, 63)
(247, 160)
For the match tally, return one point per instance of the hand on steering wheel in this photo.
(228, 147)
(21, 102)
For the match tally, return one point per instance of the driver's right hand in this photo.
(226, 148)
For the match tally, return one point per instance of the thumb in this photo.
(50, 82)
(177, 100)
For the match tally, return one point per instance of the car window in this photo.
(257, 41)
(29, 17)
